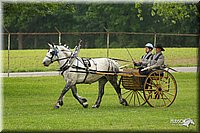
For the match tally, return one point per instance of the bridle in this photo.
(68, 61)
(55, 53)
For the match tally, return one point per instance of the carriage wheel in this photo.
(134, 97)
(160, 88)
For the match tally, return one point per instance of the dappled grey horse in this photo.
(76, 70)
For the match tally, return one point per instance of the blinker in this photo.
(55, 52)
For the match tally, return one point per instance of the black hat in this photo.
(160, 46)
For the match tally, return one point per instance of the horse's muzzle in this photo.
(45, 64)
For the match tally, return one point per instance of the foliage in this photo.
(126, 17)
(23, 16)
(177, 14)
(174, 11)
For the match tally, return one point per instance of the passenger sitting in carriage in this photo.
(145, 59)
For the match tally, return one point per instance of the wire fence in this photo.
(97, 39)
(30, 60)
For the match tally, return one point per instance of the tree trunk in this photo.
(20, 41)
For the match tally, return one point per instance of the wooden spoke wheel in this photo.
(160, 88)
(132, 91)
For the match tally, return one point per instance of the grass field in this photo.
(28, 106)
(31, 60)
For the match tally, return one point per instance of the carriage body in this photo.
(158, 88)
(132, 82)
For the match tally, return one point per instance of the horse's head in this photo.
(55, 53)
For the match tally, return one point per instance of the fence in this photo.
(97, 39)
(106, 40)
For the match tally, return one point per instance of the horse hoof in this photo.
(56, 107)
(85, 105)
(95, 106)
(124, 102)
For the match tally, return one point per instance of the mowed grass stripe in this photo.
(31, 60)
(28, 106)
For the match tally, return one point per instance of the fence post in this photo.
(154, 39)
(8, 54)
(8, 51)
(108, 41)
(59, 36)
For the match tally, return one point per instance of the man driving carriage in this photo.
(145, 59)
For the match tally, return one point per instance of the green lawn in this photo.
(28, 106)
(31, 60)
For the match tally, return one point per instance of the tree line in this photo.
(96, 17)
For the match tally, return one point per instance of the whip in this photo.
(130, 55)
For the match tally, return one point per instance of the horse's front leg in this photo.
(60, 99)
(81, 100)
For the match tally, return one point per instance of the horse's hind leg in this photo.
(113, 81)
(102, 82)
(80, 99)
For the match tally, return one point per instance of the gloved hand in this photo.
(146, 68)
(137, 63)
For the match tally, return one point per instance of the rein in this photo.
(64, 67)
(56, 59)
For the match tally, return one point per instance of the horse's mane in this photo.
(63, 48)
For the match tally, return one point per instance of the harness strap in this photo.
(109, 64)
(63, 67)
(87, 72)
(50, 58)
(66, 67)
(87, 64)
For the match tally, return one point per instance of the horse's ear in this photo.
(50, 45)
(65, 45)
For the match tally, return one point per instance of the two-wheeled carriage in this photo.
(158, 88)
